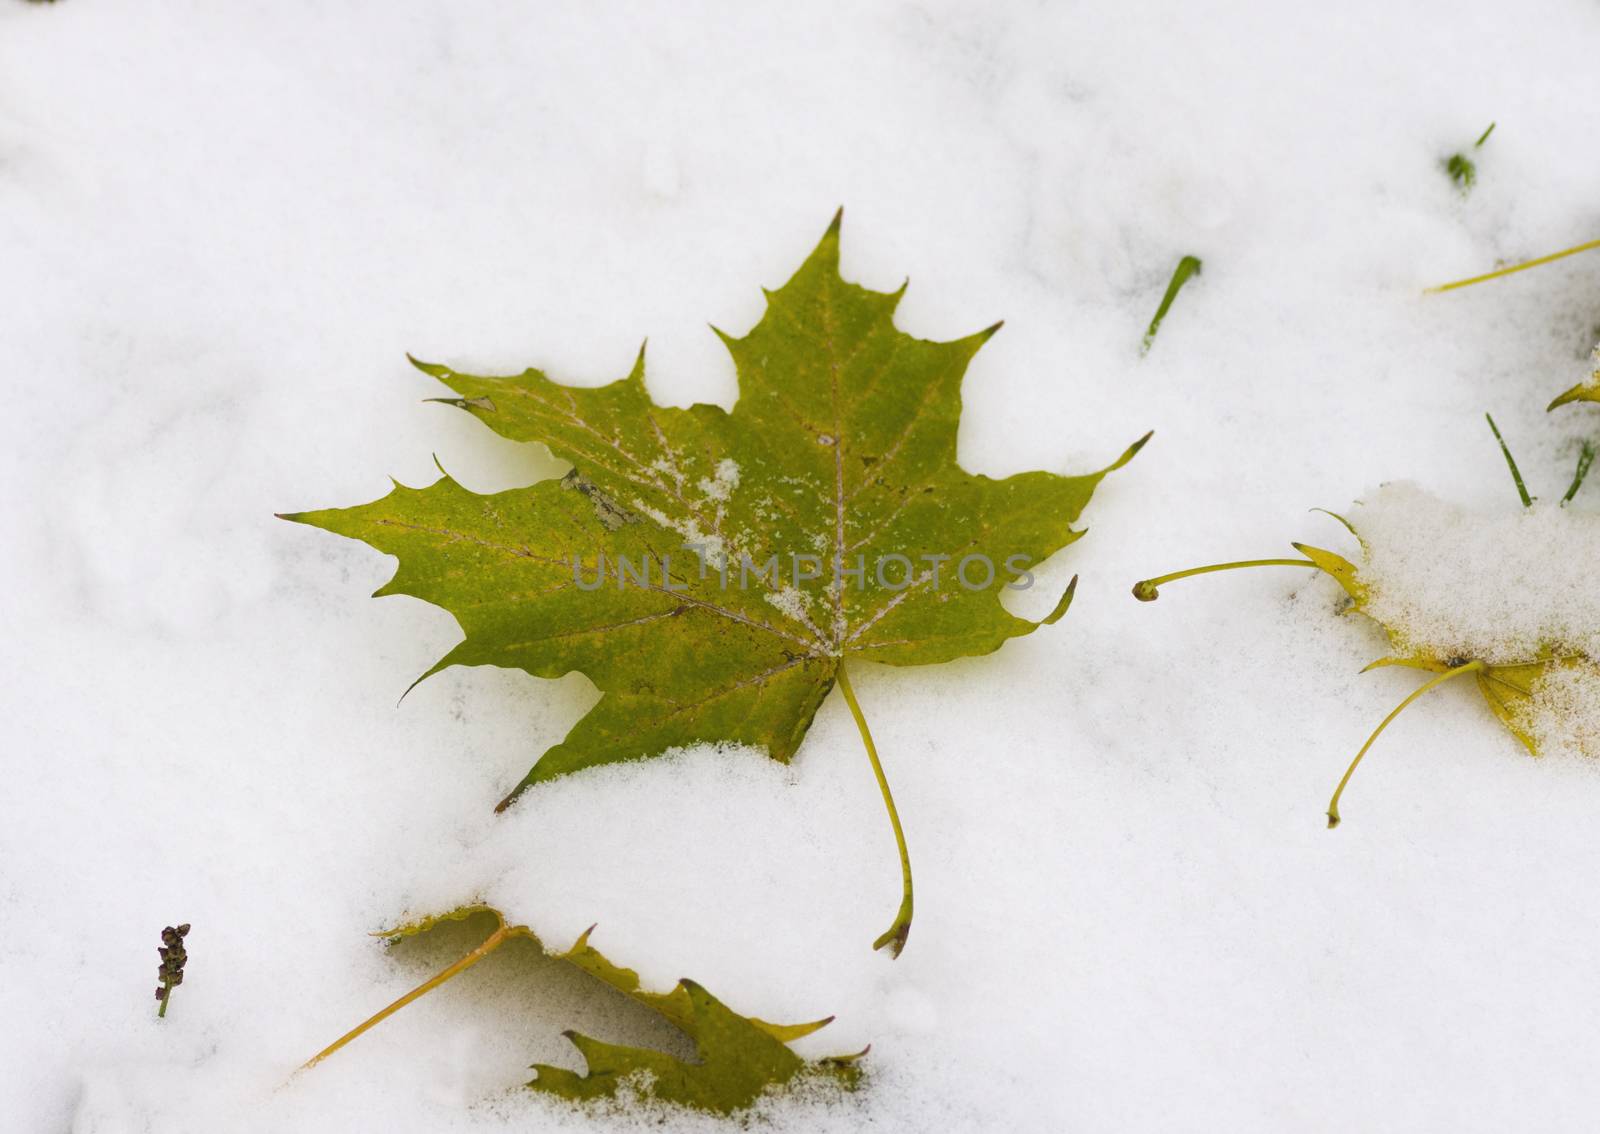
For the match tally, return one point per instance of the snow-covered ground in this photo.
(223, 224)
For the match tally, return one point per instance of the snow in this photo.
(1498, 582)
(1563, 713)
(225, 224)
(721, 486)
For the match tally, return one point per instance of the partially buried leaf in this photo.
(1495, 595)
(738, 1058)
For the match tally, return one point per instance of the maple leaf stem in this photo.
(1514, 268)
(895, 936)
(1434, 683)
(1146, 590)
(494, 941)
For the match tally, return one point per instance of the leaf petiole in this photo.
(494, 941)
(1487, 276)
(1146, 589)
(1434, 683)
(895, 936)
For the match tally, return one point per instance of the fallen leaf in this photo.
(1550, 688)
(738, 1058)
(711, 571)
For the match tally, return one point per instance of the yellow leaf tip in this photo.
(825, 256)
(435, 668)
(1128, 454)
(1062, 603)
(1572, 395)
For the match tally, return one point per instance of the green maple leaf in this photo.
(738, 1058)
(841, 448)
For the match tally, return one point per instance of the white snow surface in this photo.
(224, 224)
(1502, 583)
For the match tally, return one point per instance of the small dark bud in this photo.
(173, 958)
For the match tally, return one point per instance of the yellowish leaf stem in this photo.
(494, 941)
(1487, 276)
(1146, 590)
(895, 936)
(1434, 683)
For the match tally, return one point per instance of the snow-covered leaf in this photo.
(1503, 595)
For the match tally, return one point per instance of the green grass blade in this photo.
(1511, 463)
(1585, 459)
(1188, 266)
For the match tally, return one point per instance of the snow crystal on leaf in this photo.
(1563, 715)
(1500, 584)
(721, 486)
